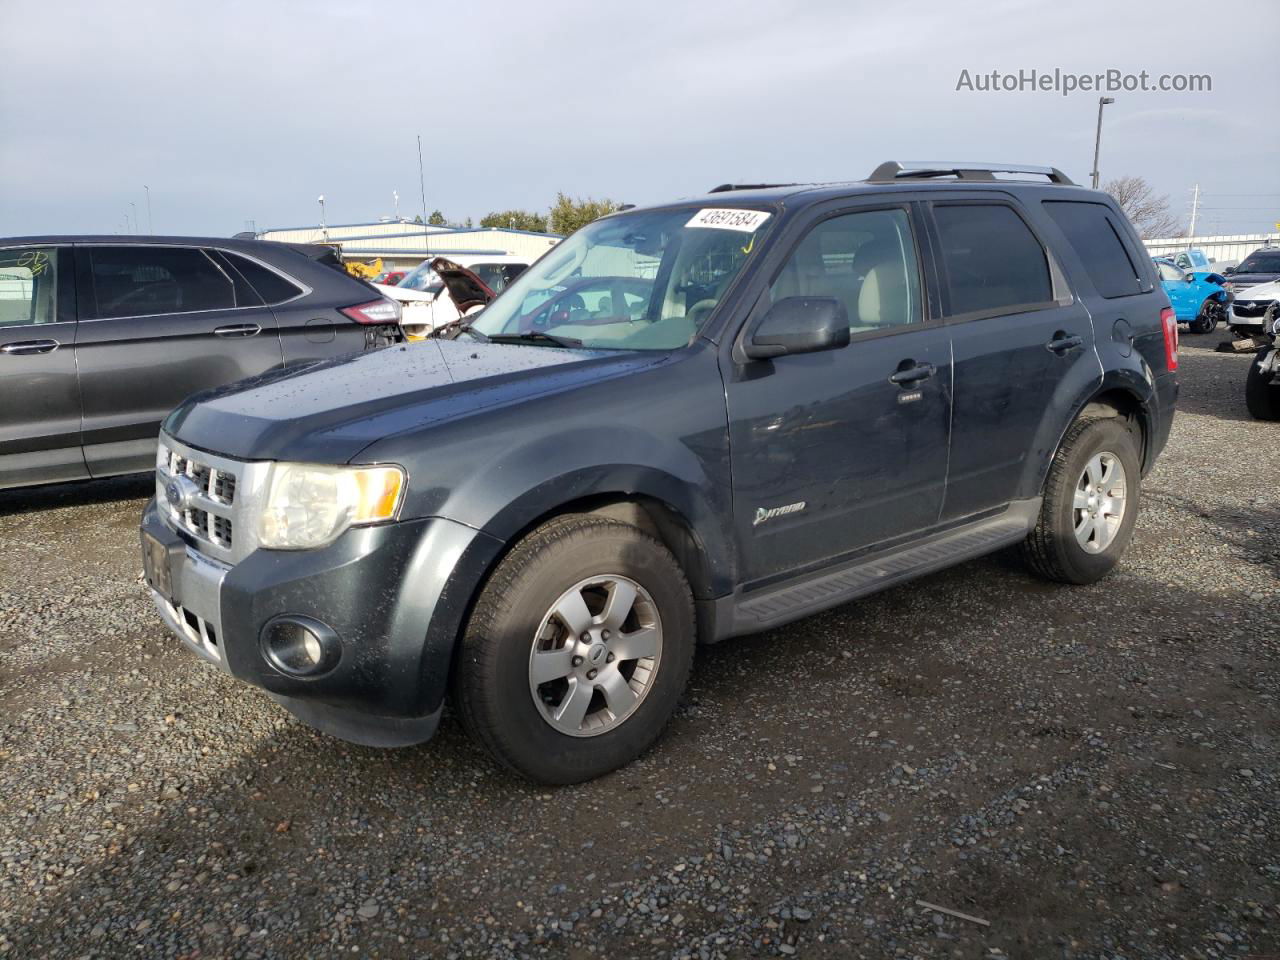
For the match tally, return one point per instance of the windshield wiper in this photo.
(535, 336)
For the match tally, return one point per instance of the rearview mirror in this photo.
(799, 325)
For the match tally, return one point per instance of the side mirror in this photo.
(1228, 271)
(799, 325)
(1189, 278)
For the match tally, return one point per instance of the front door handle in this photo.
(913, 374)
(1061, 343)
(24, 347)
(239, 330)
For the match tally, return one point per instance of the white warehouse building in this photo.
(403, 243)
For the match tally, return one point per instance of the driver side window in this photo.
(867, 261)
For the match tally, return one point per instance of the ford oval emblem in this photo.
(173, 493)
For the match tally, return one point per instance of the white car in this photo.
(1249, 308)
(424, 297)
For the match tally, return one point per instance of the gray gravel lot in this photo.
(1094, 771)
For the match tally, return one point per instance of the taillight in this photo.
(375, 311)
(1169, 321)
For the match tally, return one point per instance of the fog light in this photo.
(300, 646)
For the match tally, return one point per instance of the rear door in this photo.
(1017, 334)
(157, 324)
(39, 395)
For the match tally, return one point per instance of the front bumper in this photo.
(396, 596)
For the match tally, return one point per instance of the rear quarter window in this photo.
(1096, 238)
(271, 286)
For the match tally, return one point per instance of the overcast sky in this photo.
(234, 112)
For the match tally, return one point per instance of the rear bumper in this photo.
(1166, 396)
(395, 597)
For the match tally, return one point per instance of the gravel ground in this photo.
(1092, 771)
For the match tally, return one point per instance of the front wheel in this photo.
(1206, 321)
(1261, 392)
(577, 650)
(1090, 503)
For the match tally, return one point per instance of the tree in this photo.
(1149, 212)
(437, 219)
(569, 213)
(417, 218)
(516, 220)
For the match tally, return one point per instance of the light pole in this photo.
(134, 207)
(150, 227)
(324, 231)
(1097, 140)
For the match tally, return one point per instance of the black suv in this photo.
(739, 410)
(100, 337)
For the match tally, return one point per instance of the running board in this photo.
(774, 606)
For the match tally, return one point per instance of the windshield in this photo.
(636, 281)
(1260, 263)
(422, 278)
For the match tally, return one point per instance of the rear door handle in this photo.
(239, 330)
(1061, 343)
(913, 374)
(24, 347)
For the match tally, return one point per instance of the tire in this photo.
(1053, 550)
(1262, 393)
(595, 560)
(1206, 320)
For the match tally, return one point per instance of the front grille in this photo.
(1250, 308)
(203, 504)
(199, 631)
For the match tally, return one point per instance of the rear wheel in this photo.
(1090, 503)
(577, 651)
(1261, 392)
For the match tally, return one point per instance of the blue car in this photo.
(1199, 299)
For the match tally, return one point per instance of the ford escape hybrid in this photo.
(684, 423)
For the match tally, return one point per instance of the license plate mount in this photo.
(157, 567)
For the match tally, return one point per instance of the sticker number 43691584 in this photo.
(744, 221)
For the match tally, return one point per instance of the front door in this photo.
(39, 396)
(841, 450)
(157, 324)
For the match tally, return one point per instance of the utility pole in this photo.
(150, 226)
(1097, 139)
(422, 186)
(1195, 207)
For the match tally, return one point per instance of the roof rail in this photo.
(920, 170)
(729, 187)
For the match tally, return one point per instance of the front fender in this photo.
(625, 462)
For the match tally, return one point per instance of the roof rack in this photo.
(729, 187)
(919, 170)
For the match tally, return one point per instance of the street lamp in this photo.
(1097, 141)
(150, 227)
(324, 232)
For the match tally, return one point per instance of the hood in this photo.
(328, 412)
(1244, 281)
(403, 294)
(1258, 291)
(465, 288)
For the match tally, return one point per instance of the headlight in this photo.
(309, 506)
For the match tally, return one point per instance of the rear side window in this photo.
(993, 262)
(28, 286)
(145, 281)
(1095, 238)
(271, 286)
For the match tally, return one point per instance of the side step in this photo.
(774, 606)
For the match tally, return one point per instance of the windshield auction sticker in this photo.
(744, 221)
